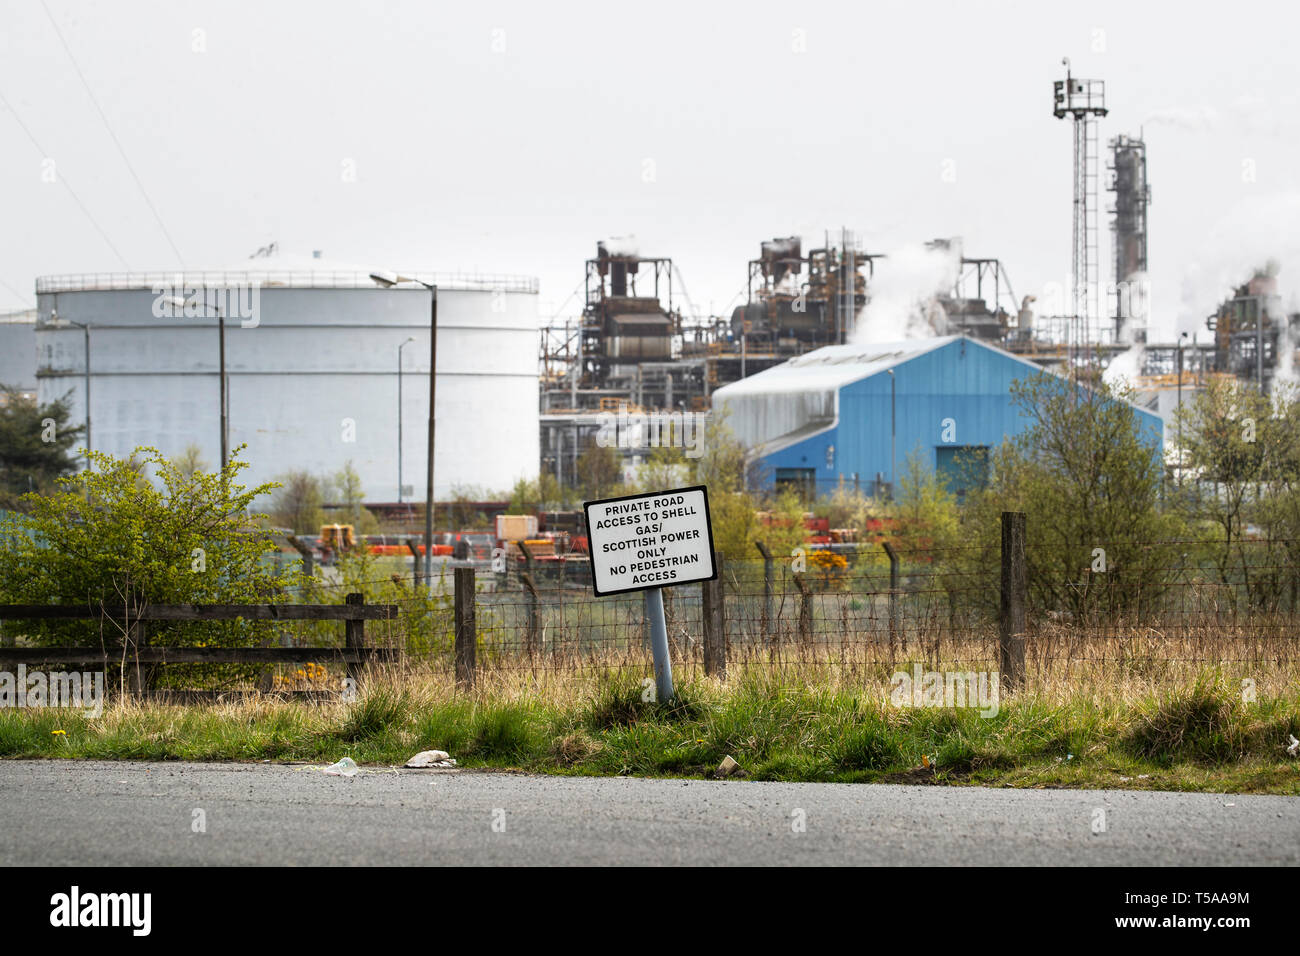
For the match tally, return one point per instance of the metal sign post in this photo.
(648, 542)
(654, 612)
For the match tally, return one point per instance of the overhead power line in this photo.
(64, 180)
(120, 151)
(14, 292)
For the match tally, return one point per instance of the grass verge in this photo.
(1201, 736)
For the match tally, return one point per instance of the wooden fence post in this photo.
(715, 622)
(1011, 621)
(767, 584)
(415, 563)
(308, 562)
(354, 636)
(466, 628)
(893, 591)
(805, 609)
(530, 634)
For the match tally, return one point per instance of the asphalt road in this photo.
(83, 813)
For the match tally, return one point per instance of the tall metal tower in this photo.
(1128, 230)
(1084, 101)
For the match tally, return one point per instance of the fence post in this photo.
(893, 591)
(805, 609)
(354, 636)
(528, 556)
(466, 627)
(715, 622)
(530, 637)
(308, 561)
(415, 564)
(1011, 621)
(767, 583)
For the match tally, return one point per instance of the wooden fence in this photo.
(141, 656)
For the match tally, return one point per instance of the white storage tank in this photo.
(312, 365)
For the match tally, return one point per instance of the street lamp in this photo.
(388, 280)
(180, 301)
(408, 341)
(893, 435)
(85, 331)
(1178, 475)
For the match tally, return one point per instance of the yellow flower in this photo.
(53, 732)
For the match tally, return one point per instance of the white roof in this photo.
(283, 269)
(832, 367)
(800, 397)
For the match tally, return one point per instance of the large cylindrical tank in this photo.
(312, 377)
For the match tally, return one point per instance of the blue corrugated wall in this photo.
(964, 381)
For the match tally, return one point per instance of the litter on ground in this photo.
(431, 758)
(347, 767)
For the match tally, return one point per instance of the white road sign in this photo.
(650, 541)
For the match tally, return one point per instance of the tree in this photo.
(107, 538)
(34, 445)
(344, 486)
(722, 467)
(461, 513)
(785, 531)
(542, 493)
(1241, 451)
(722, 462)
(600, 472)
(926, 510)
(666, 467)
(1089, 482)
(297, 503)
(190, 461)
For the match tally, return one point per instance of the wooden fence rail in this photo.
(136, 649)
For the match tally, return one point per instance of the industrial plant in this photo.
(313, 364)
(792, 367)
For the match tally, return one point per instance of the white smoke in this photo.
(621, 246)
(1134, 297)
(1254, 231)
(1197, 119)
(1125, 367)
(902, 295)
(1245, 113)
(1286, 379)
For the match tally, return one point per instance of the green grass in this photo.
(1198, 737)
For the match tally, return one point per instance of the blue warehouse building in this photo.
(851, 414)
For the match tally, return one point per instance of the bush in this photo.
(115, 537)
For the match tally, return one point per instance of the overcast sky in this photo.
(509, 137)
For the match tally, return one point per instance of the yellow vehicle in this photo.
(340, 537)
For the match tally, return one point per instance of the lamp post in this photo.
(388, 280)
(1178, 475)
(223, 396)
(893, 434)
(408, 341)
(85, 331)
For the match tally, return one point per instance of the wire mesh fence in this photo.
(858, 611)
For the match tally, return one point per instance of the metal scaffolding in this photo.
(1084, 101)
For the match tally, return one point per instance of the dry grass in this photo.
(819, 721)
